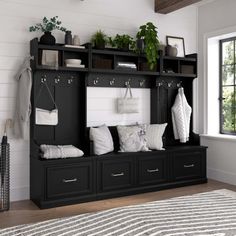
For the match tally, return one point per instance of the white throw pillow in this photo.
(102, 140)
(154, 135)
(132, 138)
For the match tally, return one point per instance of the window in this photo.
(228, 86)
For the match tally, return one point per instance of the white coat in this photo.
(181, 114)
(23, 104)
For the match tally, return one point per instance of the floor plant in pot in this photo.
(47, 26)
(99, 39)
(148, 33)
(123, 42)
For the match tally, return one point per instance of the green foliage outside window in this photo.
(228, 87)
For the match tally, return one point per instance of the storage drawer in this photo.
(73, 180)
(152, 169)
(187, 165)
(116, 174)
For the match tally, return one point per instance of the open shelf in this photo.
(106, 61)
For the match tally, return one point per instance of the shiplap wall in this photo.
(83, 18)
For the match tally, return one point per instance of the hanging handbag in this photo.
(128, 104)
(46, 117)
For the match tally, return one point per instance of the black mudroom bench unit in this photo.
(58, 182)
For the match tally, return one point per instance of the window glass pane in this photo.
(228, 53)
(228, 108)
(228, 75)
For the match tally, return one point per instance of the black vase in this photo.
(68, 38)
(47, 38)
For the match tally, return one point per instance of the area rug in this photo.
(203, 214)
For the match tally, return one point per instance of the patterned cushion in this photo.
(132, 138)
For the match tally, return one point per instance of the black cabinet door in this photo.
(115, 174)
(71, 180)
(189, 165)
(152, 170)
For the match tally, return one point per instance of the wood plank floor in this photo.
(24, 212)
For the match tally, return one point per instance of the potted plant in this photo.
(123, 42)
(148, 33)
(99, 39)
(47, 26)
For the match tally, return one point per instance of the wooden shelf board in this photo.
(178, 75)
(61, 48)
(180, 58)
(132, 72)
(62, 68)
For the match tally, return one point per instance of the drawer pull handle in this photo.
(153, 170)
(189, 166)
(118, 175)
(69, 180)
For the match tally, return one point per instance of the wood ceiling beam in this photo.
(167, 6)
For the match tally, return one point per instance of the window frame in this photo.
(221, 99)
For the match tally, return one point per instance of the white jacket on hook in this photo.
(23, 105)
(181, 113)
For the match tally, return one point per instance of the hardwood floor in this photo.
(24, 212)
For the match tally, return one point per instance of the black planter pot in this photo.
(124, 48)
(100, 45)
(47, 38)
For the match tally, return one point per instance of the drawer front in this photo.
(187, 165)
(152, 170)
(69, 180)
(116, 175)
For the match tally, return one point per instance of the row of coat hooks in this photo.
(169, 84)
(114, 82)
(57, 79)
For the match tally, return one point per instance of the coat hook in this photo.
(127, 83)
(57, 80)
(43, 79)
(112, 81)
(141, 83)
(95, 81)
(159, 84)
(179, 84)
(169, 84)
(69, 81)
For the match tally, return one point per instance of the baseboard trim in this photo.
(18, 194)
(222, 176)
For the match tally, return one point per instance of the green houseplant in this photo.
(99, 39)
(148, 33)
(47, 26)
(122, 42)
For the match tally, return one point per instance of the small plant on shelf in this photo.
(47, 26)
(148, 33)
(99, 39)
(123, 42)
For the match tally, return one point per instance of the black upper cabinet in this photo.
(107, 61)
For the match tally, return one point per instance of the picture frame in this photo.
(177, 42)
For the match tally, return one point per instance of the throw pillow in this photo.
(102, 140)
(154, 135)
(132, 138)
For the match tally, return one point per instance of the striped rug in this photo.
(204, 214)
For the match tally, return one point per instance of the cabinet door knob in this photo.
(69, 180)
(189, 166)
(152, 170)
(118, 174)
